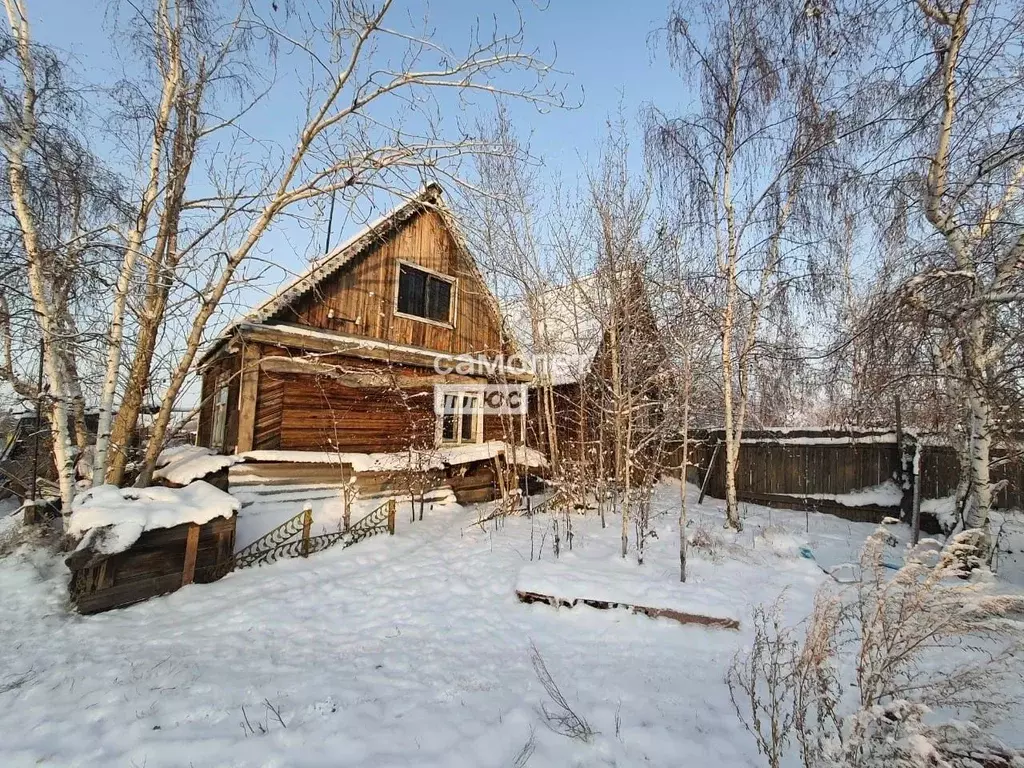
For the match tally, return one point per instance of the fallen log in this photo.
(680, 616)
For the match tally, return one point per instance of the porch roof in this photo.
(316, 340)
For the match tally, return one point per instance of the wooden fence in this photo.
(940, 471)
(787, 467)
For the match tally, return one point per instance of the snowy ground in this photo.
(404, 650)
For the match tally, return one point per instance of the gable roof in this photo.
(428, 196)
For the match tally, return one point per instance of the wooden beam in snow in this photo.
(668, 613)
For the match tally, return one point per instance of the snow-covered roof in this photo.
(323, 268)
(416, 460)
(561, 327)
(111, 519)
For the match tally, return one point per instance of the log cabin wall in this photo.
(505, 428)
(360, 299)
(315, 412)
(269, 410)
(318, 413)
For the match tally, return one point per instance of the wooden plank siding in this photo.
(155, 564)
(319, 414)
(940, 471)
(361, 298)
(270, 406)
(771, 469)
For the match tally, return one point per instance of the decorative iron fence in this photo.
(292, 538)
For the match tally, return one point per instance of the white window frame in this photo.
(474, 393)
(219, 425)
(453, 305)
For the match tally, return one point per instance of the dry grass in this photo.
(15, 534)
(561, 718)
(930, 636)
(707, 541)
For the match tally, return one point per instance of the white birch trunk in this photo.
(115, 336)
(53, 365)
(980, 458)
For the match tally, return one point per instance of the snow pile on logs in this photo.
(110, 519)
(182, 464)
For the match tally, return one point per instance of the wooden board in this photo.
(361, 298)
(668, 613)
(188, 570)
(248, 395)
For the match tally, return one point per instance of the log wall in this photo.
(320, 414)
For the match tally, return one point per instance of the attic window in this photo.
(424, 294)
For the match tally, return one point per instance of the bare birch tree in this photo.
(953, 170)
(748, 159)
(62, 203)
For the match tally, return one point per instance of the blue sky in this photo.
(604, 48)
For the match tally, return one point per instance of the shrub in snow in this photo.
(894, 735)
(929, 636)
(706, 540)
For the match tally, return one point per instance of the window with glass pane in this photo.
(451, 405)
(468, 432)
(460, 418)
(423, 294)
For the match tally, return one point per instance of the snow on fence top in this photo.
(184, 463)
(111, 519)
(804, 435)
(407, 460)
(823, 436)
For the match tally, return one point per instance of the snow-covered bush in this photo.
(929, 637)
(705, 539)
(895, 735)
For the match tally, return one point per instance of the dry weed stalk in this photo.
(930, 635)
(561, 718)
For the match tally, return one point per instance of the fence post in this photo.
(345, 493)
(916, 504)
(188, 571)
(392, 507)
(307, 523)
(707, 475)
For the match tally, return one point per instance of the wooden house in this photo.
(382, 347)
